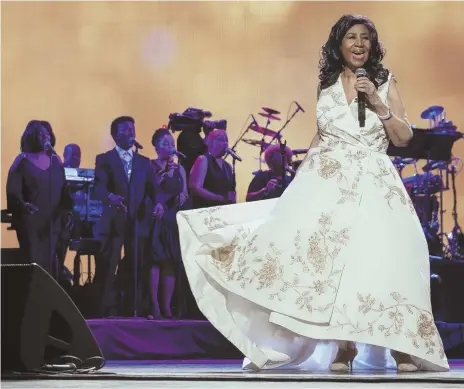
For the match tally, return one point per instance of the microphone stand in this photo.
(136, 242)
(233, 168)
(50, 238)
(240, 138)
(262, 148)
(277, 136)
(179, 278)
(283, 158)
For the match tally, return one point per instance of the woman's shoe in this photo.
(343, 362)
(404, 362)
(155, 316)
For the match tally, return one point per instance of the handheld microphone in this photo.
(135, 143)
(299, 106)
(180, 155)
(361, 99)
(49, 148)
(233, 154)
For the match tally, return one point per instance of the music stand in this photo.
(427, 144)
(432, 144)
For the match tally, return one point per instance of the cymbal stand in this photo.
(442, 209)
(283, 157)
(278, 136)
(456, 235)
(400, 165)
(426, 223)
(262, 148)
(240, 138)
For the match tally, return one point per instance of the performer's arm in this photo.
(152, 185)
(315, 142)
(65, 200)
(101, 179)
(197, 179)
(257, 190)
(395, 123)
(14, 192)
(397, 127)
(17, 161)
(316, 139)
(14, 186)
(184, 194)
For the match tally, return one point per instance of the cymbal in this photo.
(263, 130)
(271, 111)
(299, 151)
(254, 142)
(269, 116)
(432, 112)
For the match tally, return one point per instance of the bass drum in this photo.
(426, 207)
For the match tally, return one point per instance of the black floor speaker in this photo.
(40, 323)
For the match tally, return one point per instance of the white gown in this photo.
(341, 255)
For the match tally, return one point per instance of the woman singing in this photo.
(211, 178)
(172, 182)
(37, 196)
(336, 271)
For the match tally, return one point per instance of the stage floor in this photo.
(228, 375)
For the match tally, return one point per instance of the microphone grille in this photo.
(360, 73)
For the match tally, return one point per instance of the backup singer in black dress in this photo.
(165, 248)
(37, 197)
(211, 179)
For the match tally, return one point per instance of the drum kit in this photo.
(438, 175)
(268, 136)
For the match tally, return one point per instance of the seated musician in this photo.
(270, 184)
(72, 156)
(72, 159)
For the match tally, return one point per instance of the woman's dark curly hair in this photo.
(331, 63)
(30, 142)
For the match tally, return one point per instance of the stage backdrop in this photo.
(81, 64)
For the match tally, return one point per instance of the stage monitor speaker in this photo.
(40, 323)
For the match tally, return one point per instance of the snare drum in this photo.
(423, 183)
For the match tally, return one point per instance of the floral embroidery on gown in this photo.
(341, 255)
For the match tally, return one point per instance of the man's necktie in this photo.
(127, 161)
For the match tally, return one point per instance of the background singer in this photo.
(124, 181)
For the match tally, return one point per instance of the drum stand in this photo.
(442, 209)
(456, 237)
(283, 156)
(262, 148)
(431, 146)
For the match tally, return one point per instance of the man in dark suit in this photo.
(124, 181)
